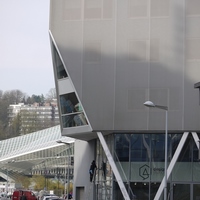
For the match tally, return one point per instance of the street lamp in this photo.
(6, 180)
(152, 105)
(12, 161)
(66, 170)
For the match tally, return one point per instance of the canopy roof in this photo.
(24, 153)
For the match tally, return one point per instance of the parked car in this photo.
(49, 197)
(23, 195)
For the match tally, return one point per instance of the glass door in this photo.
(181, 191)
(196, 191)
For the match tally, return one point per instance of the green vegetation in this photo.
(12, 129)
(38, 183)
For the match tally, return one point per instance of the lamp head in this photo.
(149, 104)
(152, 105)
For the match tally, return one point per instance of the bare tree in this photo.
(1, 94)
(13, 96)
(51, 94)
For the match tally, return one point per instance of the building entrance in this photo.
(180, 191)
(196, 191)
(184, 191)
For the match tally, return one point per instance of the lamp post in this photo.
(66, 170)
(152, 105)
(6, 180)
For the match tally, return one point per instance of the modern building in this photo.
(111, 56)
(13, 111)
(34, 117)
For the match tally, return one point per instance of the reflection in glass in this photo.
(181, 191)
(139, 145)
(146, 165)
(61, 72)
(71, 111)
(186, 155)
(196, 193)
(74, 120)
(69, 103)
(104, 175)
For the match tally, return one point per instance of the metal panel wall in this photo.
(121, 53)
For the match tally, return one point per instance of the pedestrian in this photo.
(103, 167)
(93, 167)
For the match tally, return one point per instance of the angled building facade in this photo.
(110, 57)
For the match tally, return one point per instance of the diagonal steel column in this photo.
(196, 138)
(197, 142)
(171, 165)
(113, 166)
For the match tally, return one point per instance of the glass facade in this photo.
(71, 110)
(104, 175)
(140, 161)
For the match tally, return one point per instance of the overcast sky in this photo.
(25, 55)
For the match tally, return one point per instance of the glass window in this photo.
(186, 153)
(122, 147)
(140, 147)
(196, 193)
(74, 120)
(68, 103)
(71, 111)
(181, 191)
(158, 147)
(138, 143)
(61, 72)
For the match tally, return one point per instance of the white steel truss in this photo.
(113, 166)
(169, 169)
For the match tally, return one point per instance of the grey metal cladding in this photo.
(118, 59)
